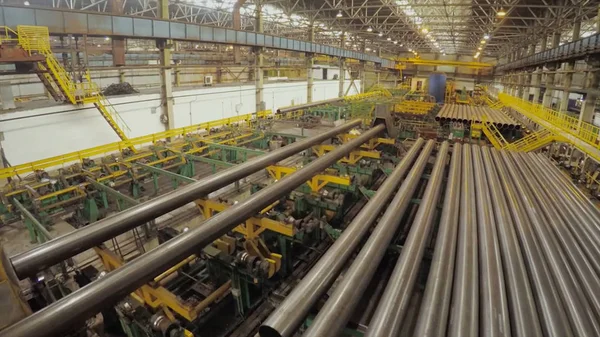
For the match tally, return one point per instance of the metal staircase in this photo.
(534, 141)
(35, 40)
(493, 134)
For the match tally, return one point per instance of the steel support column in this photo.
(567, 79)
(589, 104)
(310, 61)
(342, 60)
(547, 100)
(555, 39)
(237, 24)
(544, 42)
(536, 80)
(166, 80)
(576, 30)
(259, 80)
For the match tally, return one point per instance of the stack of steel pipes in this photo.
(516, 253)
(475, 114)
(72, 310)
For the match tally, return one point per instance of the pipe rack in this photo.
(68, 245)
(517, 258)
(72, 309)
(475, 114)
(290, 313)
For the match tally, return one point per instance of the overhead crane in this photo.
(403, 62)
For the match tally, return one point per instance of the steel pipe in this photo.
(76, 307)
(464, 317)
(288, 315)
(28, 263)
(584, 205)
(435, 305)
(524, 322)
(575, 217)
(566, 235)
(337, 310)
(552, 313)
(579, 310)
(309, 105)
(393, 306)
(494, 305)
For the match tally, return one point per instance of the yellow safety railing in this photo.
(492, 133)
(560, 122)
(78, 156)
(534, 141)
(36, 40)
(414, 107)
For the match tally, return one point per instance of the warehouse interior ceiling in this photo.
(487, 28)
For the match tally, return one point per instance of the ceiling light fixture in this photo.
(486, 37)
(369, 29)
(396, 42)
(479, 48)
(339, 14)
(389, 39)
(380, 34)
(409, 49)
(482, 42)
(501, 13)
(425, 30)
(477, 55)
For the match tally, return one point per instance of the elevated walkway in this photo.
(584, 136)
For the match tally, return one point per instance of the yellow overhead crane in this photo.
(401, 63)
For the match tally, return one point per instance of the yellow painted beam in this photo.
(465, 64)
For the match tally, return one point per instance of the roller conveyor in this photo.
(514, 255)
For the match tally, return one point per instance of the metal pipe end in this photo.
(267, 331)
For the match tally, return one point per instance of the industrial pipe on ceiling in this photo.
(289, 314)
(52, 252)
(337, 310)
(81, 304)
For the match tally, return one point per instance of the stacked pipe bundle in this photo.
(475, 114)
(515, 254)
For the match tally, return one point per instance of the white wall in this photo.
(36, 134)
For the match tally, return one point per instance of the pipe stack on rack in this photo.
(73, 309)
(475, 114)
(516, 253)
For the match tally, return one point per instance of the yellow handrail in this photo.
(76, 156)
(583, 131)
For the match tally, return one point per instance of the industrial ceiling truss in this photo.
(491, 28)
